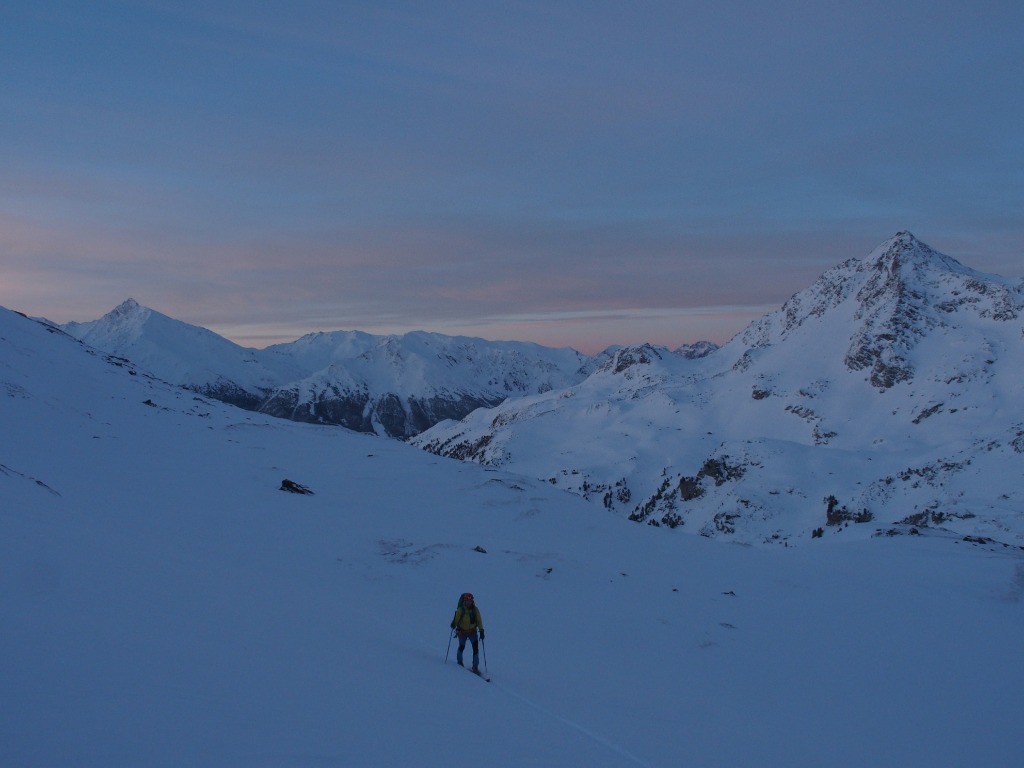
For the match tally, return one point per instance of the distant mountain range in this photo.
(391, 385)
(888, 393)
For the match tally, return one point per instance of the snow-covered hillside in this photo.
(186, 355)
(165, 604)
(393, 385)
(401, 385)
(885, 397)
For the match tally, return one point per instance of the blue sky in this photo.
(573, 173)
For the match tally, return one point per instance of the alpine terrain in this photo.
(183, 582)
(884, 399)
(390, 385)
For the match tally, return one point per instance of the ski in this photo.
(478, 674)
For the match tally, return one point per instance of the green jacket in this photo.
(467, 619)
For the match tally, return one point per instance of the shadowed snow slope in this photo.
(891, 386)
(165, 604)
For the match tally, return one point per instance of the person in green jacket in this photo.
(466, 623)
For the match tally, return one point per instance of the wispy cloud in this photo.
(539, 168)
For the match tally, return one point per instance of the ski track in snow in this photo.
(575, 726)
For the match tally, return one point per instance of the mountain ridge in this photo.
(395, 385)
(893, 376)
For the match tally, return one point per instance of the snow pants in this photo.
(472, 637)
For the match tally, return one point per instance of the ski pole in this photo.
(449, 646)
(483, 647)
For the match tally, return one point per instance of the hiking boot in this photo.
(459, 663)
(476, 669)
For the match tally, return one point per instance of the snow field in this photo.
(171, 606)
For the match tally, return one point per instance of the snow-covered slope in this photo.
(393, 385)
(888, 394)
(401, 385)
(163, 603)
(186, 355)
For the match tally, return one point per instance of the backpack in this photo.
(461, 609)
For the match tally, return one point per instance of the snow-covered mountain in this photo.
(187, 355)
(393, 385)
(885, 397)
(401, 385)
(164, 603)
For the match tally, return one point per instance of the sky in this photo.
(571, 173)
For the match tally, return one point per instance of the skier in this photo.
(466, 622)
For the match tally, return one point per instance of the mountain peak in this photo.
(882, 306)
(126, 306)
(904, 252)
(128, 310)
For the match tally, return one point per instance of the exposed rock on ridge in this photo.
(391, 385)
(891, 385)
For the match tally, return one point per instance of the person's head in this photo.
(467, 598)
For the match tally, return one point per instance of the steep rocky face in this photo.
(903, 292)
(886, 394)
(894, 312)
(696, 351)
(362, 411)
(627, 357)
(231, 393)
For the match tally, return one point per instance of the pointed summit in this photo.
(881, 308)
(903, 253)
(128, 305)
(128, 310)
(115, 331)
(897, 248)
